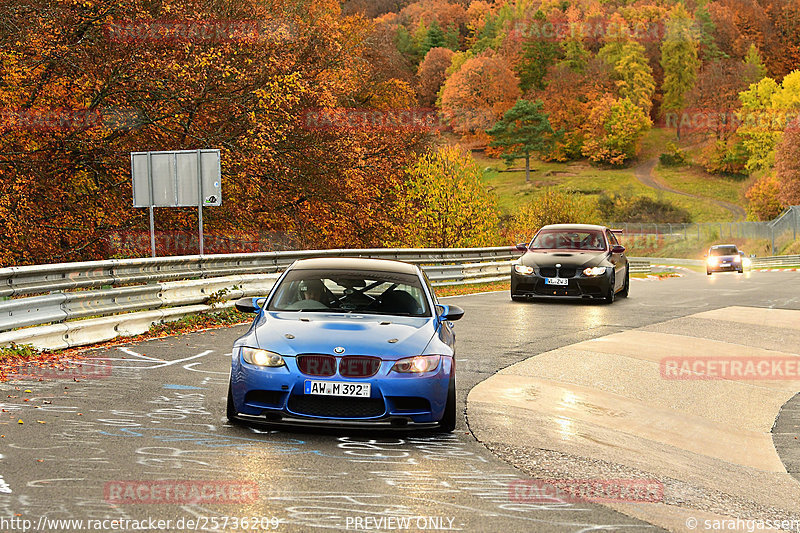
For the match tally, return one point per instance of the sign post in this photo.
(176, 178)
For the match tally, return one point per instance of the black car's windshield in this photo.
(384, 293)
(724, 250)
(569, 240)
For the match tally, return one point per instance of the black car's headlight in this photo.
(259, 357)
(594, 271)
(522, 269)
(417, 365)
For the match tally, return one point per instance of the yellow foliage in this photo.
(551, 207)
(444, 204)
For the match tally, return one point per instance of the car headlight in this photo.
(594, 271)
(256, 356)
(417, 365)
(712, 261)
(522, 269)
(737, 259)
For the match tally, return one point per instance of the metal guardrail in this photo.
(95, 301)
(776, 261)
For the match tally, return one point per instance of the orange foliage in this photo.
(479, 93)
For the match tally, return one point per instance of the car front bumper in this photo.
(578, 287)
(276, 395)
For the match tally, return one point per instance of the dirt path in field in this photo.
(644, 173)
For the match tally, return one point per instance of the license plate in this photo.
(725, 264)
(556, 281)
(338, 388)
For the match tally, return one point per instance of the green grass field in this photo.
(581, 177)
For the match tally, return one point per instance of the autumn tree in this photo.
(613, 130)
(576, 56)
(631, 72)
(787, 165)
(249, 78)
(767, 107)
(568, 99)
(708, 50)
(755, 69)
(763, 199)
(478, 93)
(538, 54)
(523, 130)
(443, 203)
(550, 206)
(679, 61)
(714, 99)
(431, 74)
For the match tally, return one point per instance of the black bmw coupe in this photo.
(579, 261)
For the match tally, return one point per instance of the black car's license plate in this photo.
(556, 281)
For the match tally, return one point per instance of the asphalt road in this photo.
(92, 449)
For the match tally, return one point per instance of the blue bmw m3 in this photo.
(347, 342)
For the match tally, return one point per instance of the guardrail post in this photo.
(773, 240)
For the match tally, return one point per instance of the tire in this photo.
(626, 287)
(448, 421)
(740, 271)
(708, 272)
(230, 410)
(609, 299)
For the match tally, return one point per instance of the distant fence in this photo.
(780, 230)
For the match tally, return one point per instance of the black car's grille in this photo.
(331, 406)
(552, 272)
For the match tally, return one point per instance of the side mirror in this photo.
(617, 249)
(449, 312)
(521, 247)
(248, 305)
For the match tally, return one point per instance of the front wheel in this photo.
(609, 299)
(626, 287)
(230, 411)
(448, 421)
(708, 272)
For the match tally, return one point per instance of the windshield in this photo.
(569, 240)
(724, 250)
(382, 293)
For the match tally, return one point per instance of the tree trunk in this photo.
(527, 168)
